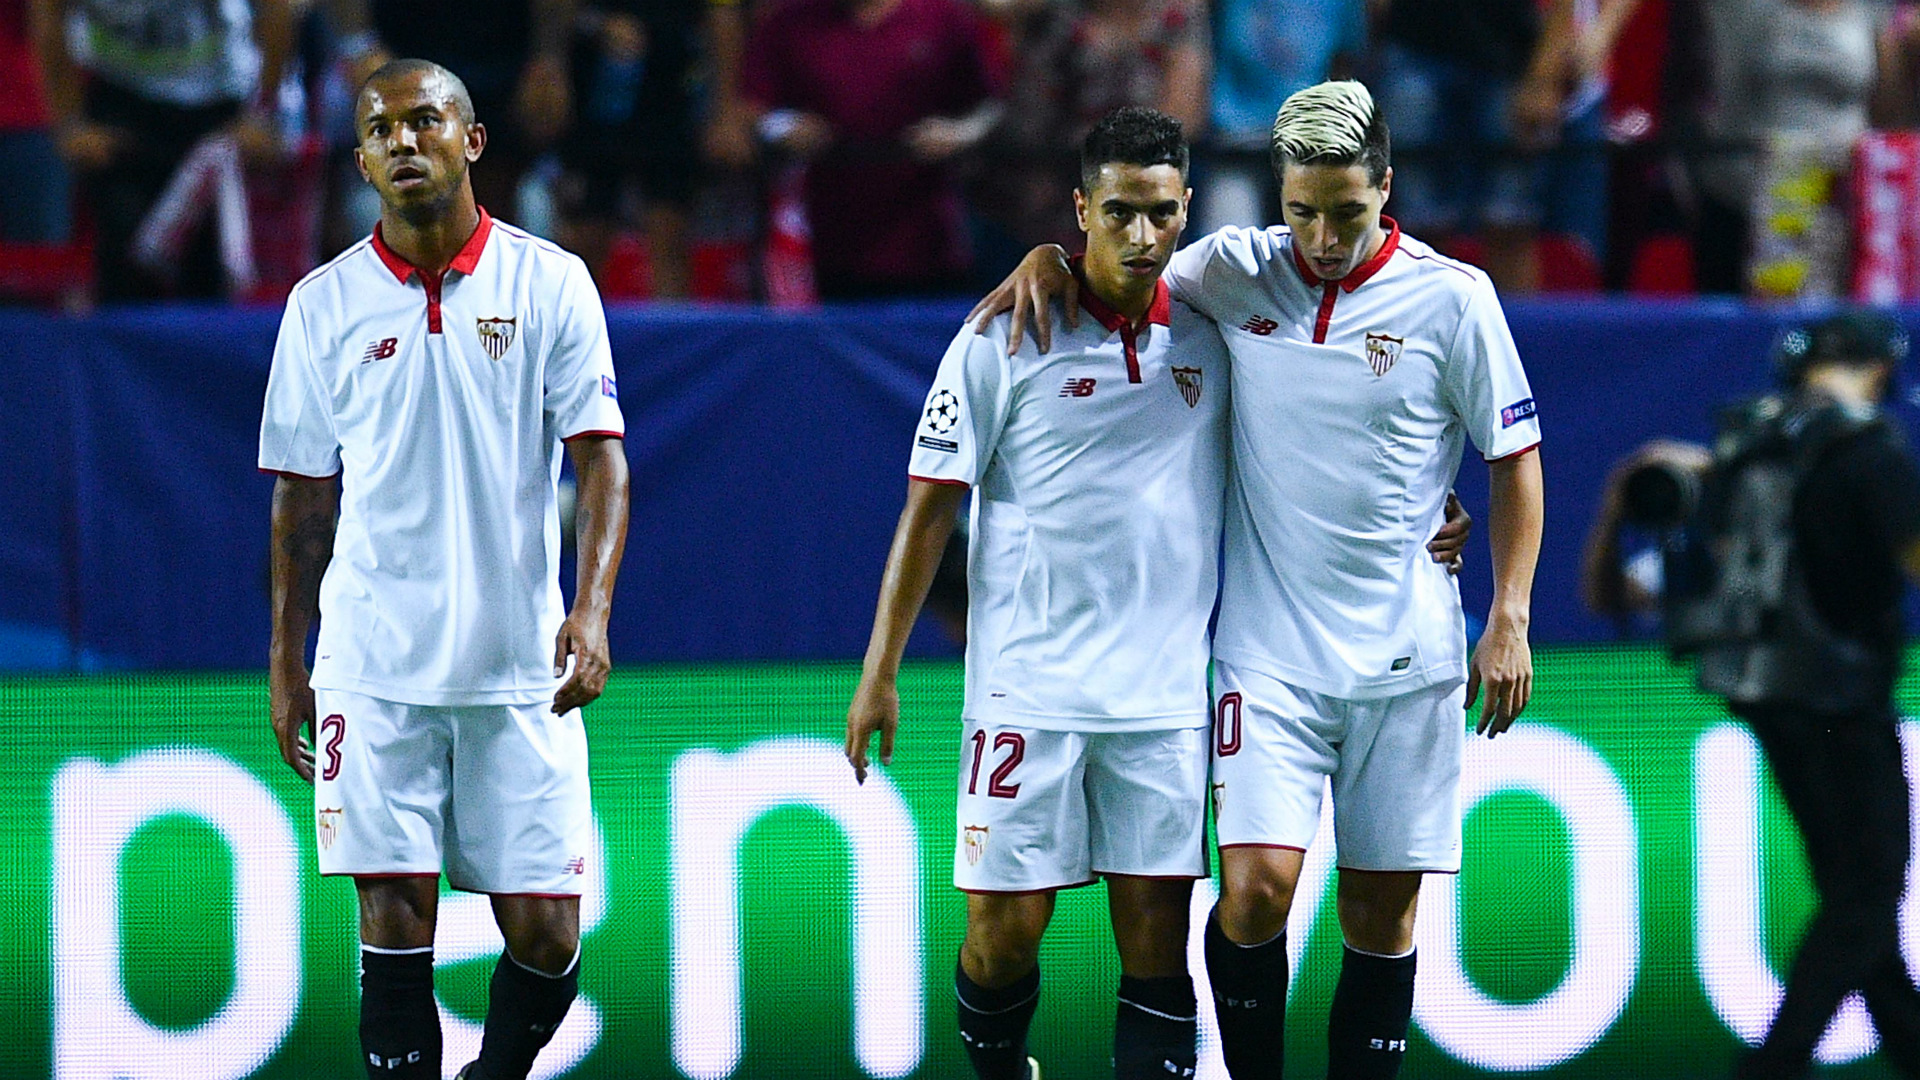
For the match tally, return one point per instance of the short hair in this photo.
(1132, 135)
(1332, 123)
(394, 69)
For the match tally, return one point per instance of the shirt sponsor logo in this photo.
(608, 389)
(1516, 412)
(1260, 326)
(1382, 351)
(1078, 388)
(943, 412)
(380, 350)
(1187, 379)
(945, 446)
(973, 841)
(496, 335)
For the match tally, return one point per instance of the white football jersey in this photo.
(1098, 474)
(441, 404)
(1352, 401)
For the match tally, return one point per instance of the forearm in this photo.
(273, 35)
(302, 528)
(46, 22)
(1515, 517)
(918, 542)
(552, 29)
(599, 521)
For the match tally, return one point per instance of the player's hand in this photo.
(1042, 274)
(1502, 665)
(875, 708)
(290, 706)
(1449, 544)
(585, 639)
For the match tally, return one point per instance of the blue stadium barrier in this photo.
(768, 451)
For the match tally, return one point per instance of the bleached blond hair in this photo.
(1333, 123)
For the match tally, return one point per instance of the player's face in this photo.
(414, 147)
(1334, 212)
(1132, 218)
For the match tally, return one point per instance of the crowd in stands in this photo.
(794, 150)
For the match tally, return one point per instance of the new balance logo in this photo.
(1259, 326)
(1078, 388)
(577, 865)
(380, 350)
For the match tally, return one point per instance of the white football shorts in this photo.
(1394, 763)
(1045, 810)
(494, 796)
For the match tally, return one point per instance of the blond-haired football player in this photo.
(1362, 362)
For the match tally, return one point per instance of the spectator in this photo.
(879, 98)
(1779, 68)
(1073, 64)
(512, 54)
(1263, 51)
(133, 90)
(34, 205)
(633, 154)
(1462, 86)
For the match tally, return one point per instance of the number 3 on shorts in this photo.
(332, 730)
(997, 786)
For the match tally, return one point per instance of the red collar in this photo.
(1358, 275)
(1159, 312)
(465, 261)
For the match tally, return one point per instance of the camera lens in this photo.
(1659, 495)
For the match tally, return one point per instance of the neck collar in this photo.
(464, 260)
(1358, 275)
(1159, 311)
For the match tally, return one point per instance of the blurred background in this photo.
(789, 205)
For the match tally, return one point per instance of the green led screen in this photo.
(1631, 887)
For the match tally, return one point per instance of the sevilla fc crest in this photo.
(1382, 351)
(973, 841)
(329, 828)
(496, 335)
(1188, 380)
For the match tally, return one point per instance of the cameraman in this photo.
(1650, 492)
(1854, 527)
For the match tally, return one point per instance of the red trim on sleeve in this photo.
(938, 480)
(590, 434)
(297, 476)
(1522, 452)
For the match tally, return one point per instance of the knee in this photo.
(398, 913)
(1253, 907)
(546, 948)
(1000, 950)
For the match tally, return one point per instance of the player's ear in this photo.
(1386, 185)
(360, 162)
(1080, 210)
(476, 140)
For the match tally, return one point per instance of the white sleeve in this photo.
(965, 410)
(581, 397)
(296, 425)
(1485, 382)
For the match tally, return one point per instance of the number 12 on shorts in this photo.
(997, 787)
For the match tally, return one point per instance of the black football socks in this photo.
(1367, 1025)
(524, 1009)
(994, 1023)
(1155, 1028)
(399, 1022)
(1249, 1000)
